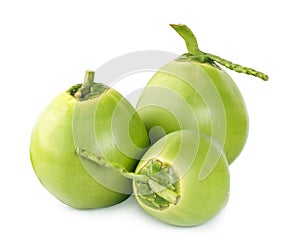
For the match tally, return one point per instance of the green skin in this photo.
(63, 125)
(192, 92)
(199, 199)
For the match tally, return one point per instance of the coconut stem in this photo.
(93, 157)
(167, 194)
(193, 49)
(87, 84)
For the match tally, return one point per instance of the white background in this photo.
(45, 47)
